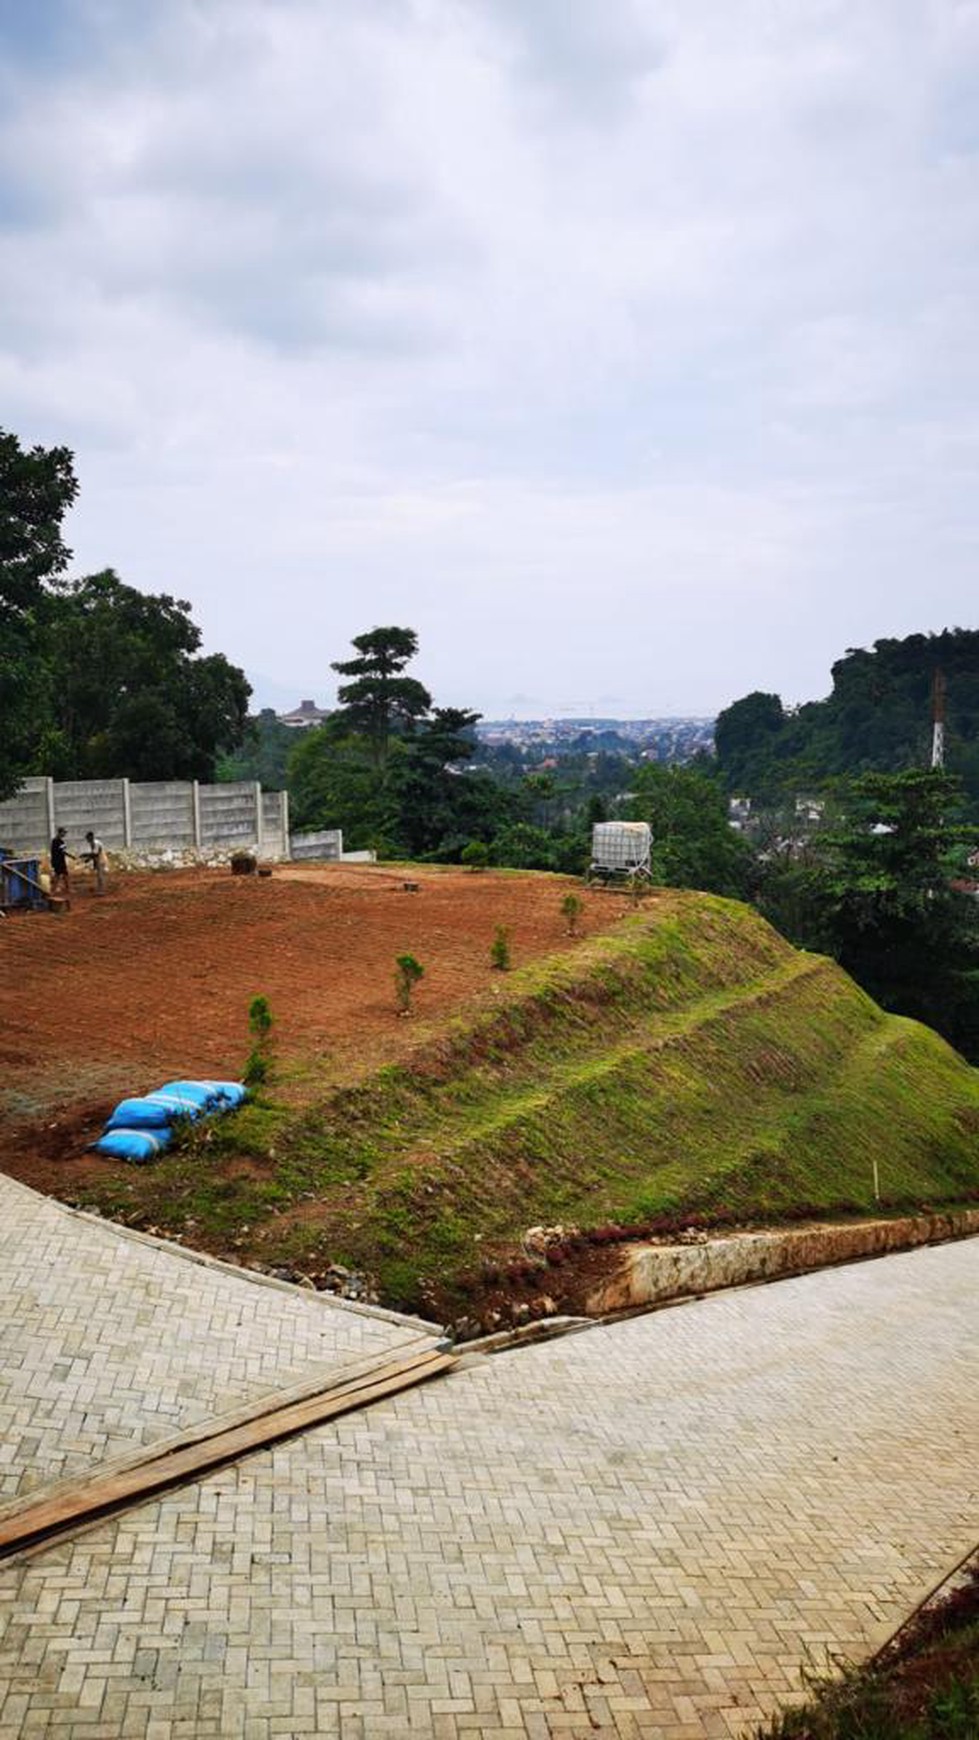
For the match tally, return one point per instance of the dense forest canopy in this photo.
(878, 718)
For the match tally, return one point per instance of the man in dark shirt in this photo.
(59, 865)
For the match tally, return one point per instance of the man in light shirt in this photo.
(96, 856)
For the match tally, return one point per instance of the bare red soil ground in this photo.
(154, 982)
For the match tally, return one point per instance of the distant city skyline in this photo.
(627, 352)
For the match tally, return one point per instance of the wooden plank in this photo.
(75, 1504)
(321, 1382)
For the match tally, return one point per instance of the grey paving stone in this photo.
(644, 1530)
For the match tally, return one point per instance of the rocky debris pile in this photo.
(173, 858)
(515, 1315)
(344, 1283)
(537, 1241)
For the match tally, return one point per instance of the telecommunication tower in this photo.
(938, 719)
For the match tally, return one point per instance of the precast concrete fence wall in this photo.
(159, 821)
(328, 844)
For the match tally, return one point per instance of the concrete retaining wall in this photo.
(654, 1274)
(326, 844)
(145, 822)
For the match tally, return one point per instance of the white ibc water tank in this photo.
(621, 845)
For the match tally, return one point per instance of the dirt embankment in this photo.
(682, 1071)
(155, 980)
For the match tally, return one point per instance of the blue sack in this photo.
(138, 1145)
(152, 1112)
(227, 1094)
(200, 1092)
(139, 1114)
(215, 1096)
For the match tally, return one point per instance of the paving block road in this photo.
(647, 1529)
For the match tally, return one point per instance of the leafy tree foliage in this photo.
(128, 696)
(37, 487)
(694, 845)
(744, 735)
(96, 679)
(877, 719)
(523, 846)
(380, 699)
(334, 783)
(441, 805)
(389, 769)
(263, 754)
(879, 893)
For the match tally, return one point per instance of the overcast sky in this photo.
(625, 349)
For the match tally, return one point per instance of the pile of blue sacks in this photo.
(140, 1129)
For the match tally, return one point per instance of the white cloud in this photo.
(625, 349)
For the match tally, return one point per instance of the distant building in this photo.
(810, 809)
(303, 716)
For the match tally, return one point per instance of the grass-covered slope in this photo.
(691, 1063)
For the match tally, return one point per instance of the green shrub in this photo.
(407, 973)
(500, 949)
(475, 855)
(571, 912)
(258, 1064)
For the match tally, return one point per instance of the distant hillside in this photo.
(689, 1064)
(878, 718)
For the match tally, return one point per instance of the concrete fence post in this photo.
(259, 818)
(127, 815)
(49, 806)
(195, 805)
(284, 819)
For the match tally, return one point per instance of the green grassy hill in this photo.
(691, 1064)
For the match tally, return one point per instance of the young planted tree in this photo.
(500, 949)
(407, 973)
(571, 912)
(260, 1023)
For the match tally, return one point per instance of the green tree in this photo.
(441, 802)
(37, 487)
(897, 921)
(264, 752)
(744, 738)
(521, 846)
(407, 972)
(694, 845)
(379, 699)
(881, 890)
(877, 719)
(334, 783)
(129, 695)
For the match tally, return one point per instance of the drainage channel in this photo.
(71, 1505)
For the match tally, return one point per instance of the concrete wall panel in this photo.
(98, 804)
(229, 815)
(163, 814)
(328, 843)
(164, 817)
(24, 820)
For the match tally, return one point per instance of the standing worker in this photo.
(96, 856)
(59, 867)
